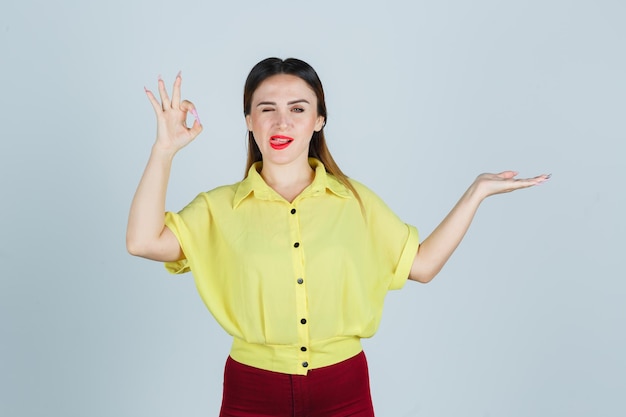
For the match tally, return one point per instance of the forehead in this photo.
(283, 87)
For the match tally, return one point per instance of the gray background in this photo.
(528, 317)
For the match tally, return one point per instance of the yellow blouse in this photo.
(296, 284)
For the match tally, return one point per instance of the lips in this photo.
(279, 142)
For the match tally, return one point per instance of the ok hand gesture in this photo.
(172, 131)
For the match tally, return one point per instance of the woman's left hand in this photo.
(437, 248)
(504, 182)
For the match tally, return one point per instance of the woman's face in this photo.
(283, 117)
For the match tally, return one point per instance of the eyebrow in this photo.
(272, 103)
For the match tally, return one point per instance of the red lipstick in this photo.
(279, 142)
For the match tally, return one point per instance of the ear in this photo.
(249, 122)
(320, 123)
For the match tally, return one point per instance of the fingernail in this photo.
(179, 74)
(195, 114)
(160, 78)
(145, 89)
(548, 176)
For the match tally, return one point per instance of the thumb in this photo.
(196, 128)
(188, 106)
(507, 174)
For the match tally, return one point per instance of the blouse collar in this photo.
(254, 185)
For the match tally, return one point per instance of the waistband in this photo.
(295, 359)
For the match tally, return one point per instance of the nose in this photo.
(283, 119)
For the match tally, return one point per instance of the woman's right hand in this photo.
(173, 133)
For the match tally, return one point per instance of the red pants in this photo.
(339, 390)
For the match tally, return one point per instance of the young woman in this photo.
(295, 260)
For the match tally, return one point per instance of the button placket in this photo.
(300, 289)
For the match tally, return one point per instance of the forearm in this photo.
(435, 251)
(146, 220)
(437, 248)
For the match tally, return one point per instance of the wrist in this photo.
(163, 152)
(475, 194)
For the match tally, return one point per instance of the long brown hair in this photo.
(317, 148)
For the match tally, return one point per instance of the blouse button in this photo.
(297, 244)
(300, 280)
(303, 348)
(305, 364)
(293, 211)
(303, 321)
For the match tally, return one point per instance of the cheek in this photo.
(256, 141)
(258, 123)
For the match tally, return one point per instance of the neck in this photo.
(288, 180)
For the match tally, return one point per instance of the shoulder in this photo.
(220, 195)
(365, 193)
(359, 186)
(371, 203)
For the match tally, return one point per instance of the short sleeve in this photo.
(185, 225)
(175, 223)
(395, 241)
(407, 257)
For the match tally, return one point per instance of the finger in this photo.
(176, 91)
(508, 174)
(188, 106)
(165, 99)
(196, 128)
(527, 182)
(195, 115)
(541, 179)
(155, 103)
